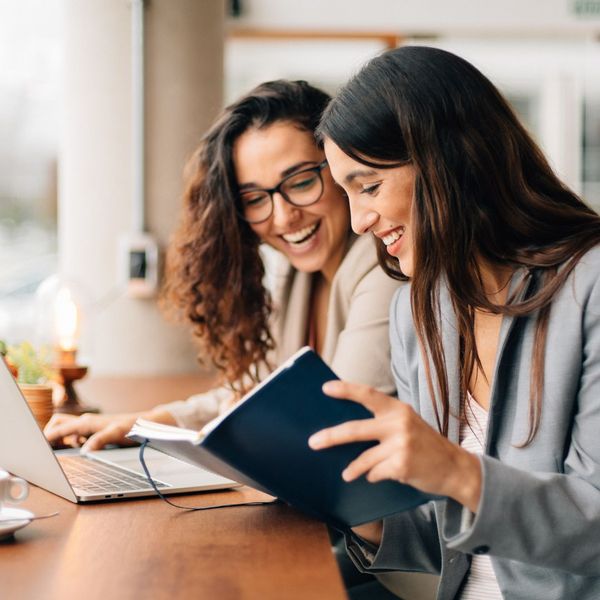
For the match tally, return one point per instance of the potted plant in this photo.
(34, 376)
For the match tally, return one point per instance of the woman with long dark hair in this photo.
(495, 341)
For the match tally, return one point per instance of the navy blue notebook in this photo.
(263, 442)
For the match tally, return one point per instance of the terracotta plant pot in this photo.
(11, 367)
(39, 398)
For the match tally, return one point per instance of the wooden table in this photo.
(147, 549)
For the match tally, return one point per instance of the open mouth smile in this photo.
(393, 236)
(301, 235)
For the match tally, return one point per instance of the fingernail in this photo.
(314, 441)
(346, 475)
(328, 387)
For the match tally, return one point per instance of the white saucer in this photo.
(21, 516)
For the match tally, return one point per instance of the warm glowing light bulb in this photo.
(67, 320)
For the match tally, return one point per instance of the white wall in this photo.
(327, 64)
(540, 51)
(421, 16)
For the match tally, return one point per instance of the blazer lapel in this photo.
(451, 347)
(508, 326)
(294, 315)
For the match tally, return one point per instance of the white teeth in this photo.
(391, 237)
(300, 235)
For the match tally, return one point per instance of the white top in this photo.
(481, 583)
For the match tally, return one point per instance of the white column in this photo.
(184, 79)
(561, 118)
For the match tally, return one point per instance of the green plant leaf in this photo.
(34, 365)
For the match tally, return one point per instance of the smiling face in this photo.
(380, 202)
(312, 237)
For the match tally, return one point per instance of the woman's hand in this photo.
(96, 431)
(409, 450)
(91, 430)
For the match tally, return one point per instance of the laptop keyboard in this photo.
(94, 477)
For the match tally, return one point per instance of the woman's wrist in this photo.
(371, 532)
(466, 481)
(159, 415)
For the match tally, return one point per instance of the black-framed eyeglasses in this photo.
(302, 188)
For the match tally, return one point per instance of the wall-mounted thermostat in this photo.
(138, 264)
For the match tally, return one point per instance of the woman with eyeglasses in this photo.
(495, 341)
(259, 178)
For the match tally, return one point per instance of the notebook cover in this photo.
(265, 438)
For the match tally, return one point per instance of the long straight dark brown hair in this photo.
(483, 192)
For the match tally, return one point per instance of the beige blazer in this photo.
(356, 342)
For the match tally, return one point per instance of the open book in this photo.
(263, 442)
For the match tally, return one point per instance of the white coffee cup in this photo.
(12, 489)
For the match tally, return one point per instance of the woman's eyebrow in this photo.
(350, 177)
(297, 166)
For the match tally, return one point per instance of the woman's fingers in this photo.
(74, 441)
(366, 395)
(112, 434)
(409, 450)
(70, 427)
(351, 431)
(365, 462)
(99, 430)
(389, 416)
(387, 468)
(61, 426)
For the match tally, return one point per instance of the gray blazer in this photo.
(539, 515)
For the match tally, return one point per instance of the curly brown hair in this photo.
(214, 273)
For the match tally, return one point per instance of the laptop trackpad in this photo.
(162, 467)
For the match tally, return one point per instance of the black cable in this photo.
(163, 497)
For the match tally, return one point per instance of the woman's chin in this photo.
(406, 266)
(306, 263)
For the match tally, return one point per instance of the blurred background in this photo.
(93, 139)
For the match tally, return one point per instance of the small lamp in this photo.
(61, 315)
(67, 325)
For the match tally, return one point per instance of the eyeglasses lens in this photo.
(301, 189)
(257, 206)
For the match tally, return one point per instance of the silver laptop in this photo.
(102, 475)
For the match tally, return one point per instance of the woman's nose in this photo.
(362, 218)
(284, 213)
